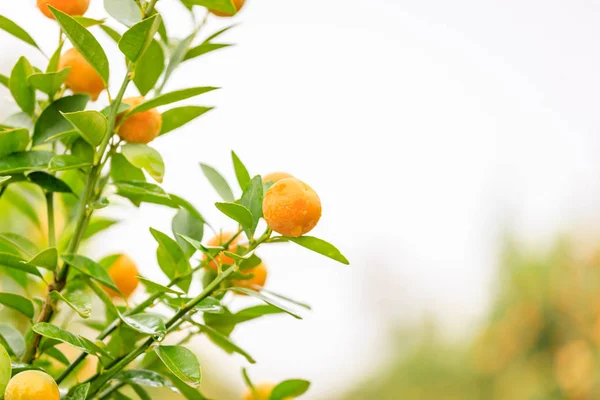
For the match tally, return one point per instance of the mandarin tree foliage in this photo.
(66, 155)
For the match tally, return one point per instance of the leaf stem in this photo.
(51, 224)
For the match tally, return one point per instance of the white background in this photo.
(428, 129)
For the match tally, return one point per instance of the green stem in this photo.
(50, 212)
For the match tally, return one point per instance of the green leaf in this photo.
(4, 179)
(13, 141)
(19, 199)
(143, 377)
(187, 224)
(51, 122)
(91, 125)
(91, 269)
(66, 162)
(147, 323)
(204, 48)
(241, 173)
(111, 309)
(138, 38)
(252, 199)
(5, 369)
(4, 80)
(18, 32)
(57, 355)
(225, 6)
(224, 342)
(79, 300)
(50, 82)
(126, 12)
(226, 322)
(238, 213)
(315, 244)
(181, 362)
(139, 192)
(12, 340)
(80, 392)
(18, 303)
(55, 59)
(218, 182)
(153, 287)
(291, 388)
(84, 42)
(140, 391)
(145, 157)
(46, 259)
(88, 22)
(149, 68)
(285, 298)
(79, 342)
(267, 300)
(20, 244)
(172, 259)
(113, 34)
(123, 170)
(177, 117)
(171, 97)
(208, 305)
(189, 207)
(49, 183)
(178, 55)
(14, 262)
(23, 93)
(219, 33)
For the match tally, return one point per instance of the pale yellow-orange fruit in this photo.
(263, 392)
(32, 385)
(142, 127)
(83, 78)
(259, 278)
(291, 207)
(238, 4)
(276, 177)
(574, 369)
(70, 7)
(221, 258)
(124, 274)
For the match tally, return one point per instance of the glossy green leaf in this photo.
(64, 336)
(241, 173)
(91, 125)
(67, 138)
(149, 68)
(12, 340)
(237, 212)
(126, 12)
(147, 323)
(79, 300)
(218, 182)
(203, 49)
(84, 42)
(138, 38)
(226, 322)
(225, 6)
(183, 203)
(23, 93)
(47, 259)
(153, 287)
(51, 122)
(177, 117)
(139, 192)
(18, 303)
(172, 259)
(181, 362)
(146, 158)
(91, 269)
(88, 22)
(291, 388)
(66, 162)
(143, 377)
(267, 300)
(317, 245)
(171, 97)
(123, 170)
(18, 32)
(14, 262)
(49, 82)
(252, 199)
(79, 393)
(49, 183)
(189, 225)
(13, 141)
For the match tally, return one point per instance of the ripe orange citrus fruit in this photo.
(71, 7)
(142, 127)
(258, 279)
(238, 4)
(221, 258)
(291, 207)
(32, 385)
(276, 177)
(124, 274)
(83, 78)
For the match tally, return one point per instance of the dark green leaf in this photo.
(317, 245)
(238, 213)
(14, 262)
(91, 125)
(91, 269)
(79, 393)
(218, 182)
(241, 173)
(57, 355)
(66, 162)
(171, 97)
(136, 40)
(123, 170)
(139, 192)
(77, 341)
(23, 93)
(177, 117)
(143, 377)
(51, 122)
(149, 68)
(172, 259)
(18, 32)
(84, 42)
(49, 183)
(126, 12)
(18, 303)
(181, 362)
(291, 388)
(13, 141)
(49, 82)
(145, 157)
